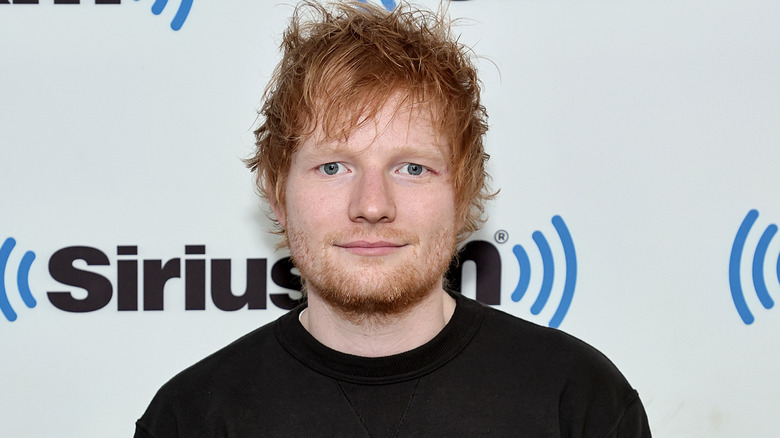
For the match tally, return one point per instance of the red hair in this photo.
(340, 64)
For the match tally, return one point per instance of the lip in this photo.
(364, 247)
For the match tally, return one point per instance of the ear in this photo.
(278, 210)
(272, 195)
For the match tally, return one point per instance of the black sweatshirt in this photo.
(486, 373)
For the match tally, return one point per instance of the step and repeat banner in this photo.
(636, 147)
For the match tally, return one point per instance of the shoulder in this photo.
(229, 360)
(212, 381)
(588, 391)
(560, 352)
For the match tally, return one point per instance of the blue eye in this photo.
(332, 168)
(413, 169)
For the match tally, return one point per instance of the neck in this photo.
(378, 335)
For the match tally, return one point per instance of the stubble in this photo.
(372, 287)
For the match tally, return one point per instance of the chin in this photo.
(366, 292)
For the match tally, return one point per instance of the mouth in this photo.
(368, 248)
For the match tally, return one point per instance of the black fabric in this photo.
(486, 373)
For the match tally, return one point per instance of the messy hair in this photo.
(342, 62)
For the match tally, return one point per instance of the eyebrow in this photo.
(430, 154)
(328, 148)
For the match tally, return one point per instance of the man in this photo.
(370, 156)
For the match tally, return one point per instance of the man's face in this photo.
(371, 220)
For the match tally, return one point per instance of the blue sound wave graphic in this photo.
(181, 13)
(388, 4)
(757, 268)
(22, 279)
(548, 273)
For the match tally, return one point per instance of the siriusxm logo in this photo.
(157, 8)
(757, 267)
(488, 265)
(140, 283)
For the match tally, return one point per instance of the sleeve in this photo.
(597, 401)
(159, 420)
(633, 423)
(141, 432)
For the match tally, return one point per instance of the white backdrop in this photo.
(651, 127)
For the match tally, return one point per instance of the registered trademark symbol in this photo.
(501, 236)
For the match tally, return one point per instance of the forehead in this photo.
(394, 124)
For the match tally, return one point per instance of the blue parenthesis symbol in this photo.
(571, 271)
(758, 267)
(525, 273)
(734, 278)
(23, 279)
(548, 272)
(5, 306)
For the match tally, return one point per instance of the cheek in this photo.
(433, 210)
(312, 209)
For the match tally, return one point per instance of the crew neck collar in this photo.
(386, 369)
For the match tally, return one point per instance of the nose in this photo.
(372, 200)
